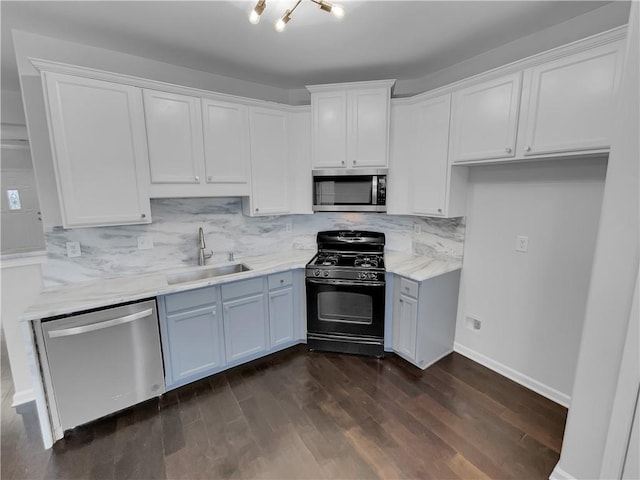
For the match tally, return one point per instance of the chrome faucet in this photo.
(202, 257)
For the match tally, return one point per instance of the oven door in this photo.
(345, 307)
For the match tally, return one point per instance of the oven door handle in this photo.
(322, 281)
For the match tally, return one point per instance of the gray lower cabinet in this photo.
(192, 335)
(209, 329)
(424, 318)
(245, 316)
(281, 309)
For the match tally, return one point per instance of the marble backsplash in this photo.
(113, 251)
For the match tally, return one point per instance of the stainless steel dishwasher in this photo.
(100, 362)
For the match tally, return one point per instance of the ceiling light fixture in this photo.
(280, 24)
(326, 6)
(254, 16)
(336, 10)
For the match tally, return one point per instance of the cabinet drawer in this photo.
(190, 299)
(243, 288)
(278, 280)
(408, 287)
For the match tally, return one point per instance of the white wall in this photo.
(599, 20)
(615, 268)
(531, 304)
(12, 111)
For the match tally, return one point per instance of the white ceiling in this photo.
(376, 39)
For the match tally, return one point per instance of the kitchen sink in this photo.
(201, 274)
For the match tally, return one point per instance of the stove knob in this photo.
(362, 275)
(326, 273)
(317, 273)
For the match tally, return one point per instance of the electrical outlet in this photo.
(145, 242)
(473, 323)
(416, 228)
(522, 244)
(73, 249)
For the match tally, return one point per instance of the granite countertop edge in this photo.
(77, 297)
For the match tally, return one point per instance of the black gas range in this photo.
(345, 285)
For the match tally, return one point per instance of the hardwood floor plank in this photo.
(307, 415)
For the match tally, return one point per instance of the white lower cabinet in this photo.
(424, 318)
(245, 316)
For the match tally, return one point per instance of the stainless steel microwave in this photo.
(350, 190)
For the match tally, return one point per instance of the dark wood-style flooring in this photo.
(307, 415)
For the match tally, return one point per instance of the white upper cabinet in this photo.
(429, 178)
(98, 140)
(570, 102)
(329, 129)
(368, 131)
(174, 137)
(350, 124)
(421, 180)
(226, 142)
(484, 120)
(269, 163)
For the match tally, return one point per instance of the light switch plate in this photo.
(73, 249)
(522, 244)
(145, 242)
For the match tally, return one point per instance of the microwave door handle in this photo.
(374, 190)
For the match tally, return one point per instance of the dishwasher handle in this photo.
(66, 332)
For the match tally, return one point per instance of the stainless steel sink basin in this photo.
(201, 274)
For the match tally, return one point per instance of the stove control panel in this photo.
(367, 276)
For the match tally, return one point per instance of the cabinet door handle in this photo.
(354, 162)
(508, 149)
(257, 209)
(342, 162)
(527, 149)
(197, 178)
(281, 280)
(406, 289)
(143, 215)
(439, 210)
(401, 301)
(210, 179)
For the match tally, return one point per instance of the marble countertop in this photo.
(113, 291)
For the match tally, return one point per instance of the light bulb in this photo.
(280, 24)
(338, 11)
(254, 17)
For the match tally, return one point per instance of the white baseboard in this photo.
(560, 474)
(24, 396)
(516, 376)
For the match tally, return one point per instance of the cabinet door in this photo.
(269, 162)
(195, 348)
(429, 176)
(281, 316)
(99, 147)
(226, 142)
(329, 129)
(368, 128)
(245, 327)
(484, 120)
(174, 137)
(571, 102)
(405, 324)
